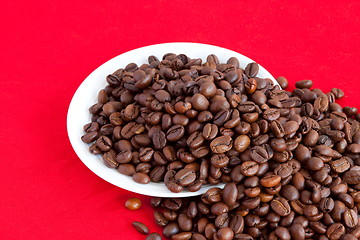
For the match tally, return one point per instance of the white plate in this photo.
(86, 95)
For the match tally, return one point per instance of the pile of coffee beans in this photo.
(291, 160)
(298, 178)
(184, 123)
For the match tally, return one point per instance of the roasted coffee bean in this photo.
(221, 144)
(304, 84)
(185, 177)
(252, 69)
(133, 203)
(283, 82)
(350, 218)
(259, 154)
(335, 231)
(338, 93)
(270, 181)
(352, 177)
(153, 236)
(280, 206)
(175, 133)
(249, 168)
(109, 159)
(140, 227)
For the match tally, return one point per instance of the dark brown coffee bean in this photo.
(225, 234)
(171, 229)
(185, 177)
(199, 102)
(230, 193)
(304, 84)
(109, 159)
(249, 168)
(153, 236)
(335, 231)
(350, 218)
(277, 129)
(126, 169)
(140, 227)
(283, 82)
(338, 93)
(219, 160)
(241, 143)
(195, 140)
(175, 133)
(352, 177)
(221, 144)
(297, 232)
(280, 206)
(252, 70)
(90, 137)
(210, 131)
(140, 177)
(259, 154)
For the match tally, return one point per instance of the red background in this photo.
(47, 48)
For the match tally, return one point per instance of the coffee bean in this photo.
(337, 92)
(109, 159)
(153, 236)
(252, 69)
(141, 178)
(185, 177)
(221, 144)
(249, 168)
(304, 84)
(350, 218)
(133, 203)
(90, 137)
(280, 206)
(335, 231)
(140, 227)
(352, 177)
(175, 133)
(259, 154)
(283, 82)
(270, 181)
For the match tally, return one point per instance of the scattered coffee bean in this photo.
(283, 82)
(140, 227)
(153, 236)
(133, 203)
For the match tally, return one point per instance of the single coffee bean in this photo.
(338, 93)
(185, 177)
(153, 236)
(221, 144)
(352, 177)
(335, 231)
(175, 133)
(252, 69)
(141, 178)
(140, 227)
(133, 203)
(270, 181)
(280, 206)
(350, 218)
(241, 143)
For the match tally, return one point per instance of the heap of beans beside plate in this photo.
(290, 159)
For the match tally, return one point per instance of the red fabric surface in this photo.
(48, 47)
